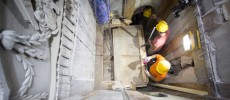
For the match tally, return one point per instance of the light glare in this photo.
(186, 42)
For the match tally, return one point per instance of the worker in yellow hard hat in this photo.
(147, 12)
(157, 67)
(147, 17)
(159, 39)
(141, 15)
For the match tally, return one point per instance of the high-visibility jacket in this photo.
(153, 71)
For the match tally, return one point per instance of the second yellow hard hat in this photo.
(147, 13)
(162, 26)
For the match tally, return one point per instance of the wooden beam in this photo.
(203, 87)
(181, 89)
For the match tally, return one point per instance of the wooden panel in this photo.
(203, 87)
(166, 8)
(127, 57)
(224, 89)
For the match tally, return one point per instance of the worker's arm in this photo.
(150, 76)
(154, 56)
(154, 79)
(152, 47)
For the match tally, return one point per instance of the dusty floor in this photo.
(108, 56)
(192, 74)
(104, 58)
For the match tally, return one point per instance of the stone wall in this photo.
(76, 62)
(84, 55)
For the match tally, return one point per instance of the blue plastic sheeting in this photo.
(102, 11)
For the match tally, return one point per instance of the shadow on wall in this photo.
(133, 65)
(91, 3)
(14, 10)
(2, 18)
(7, 67)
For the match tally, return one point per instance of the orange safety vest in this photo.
(153, 71)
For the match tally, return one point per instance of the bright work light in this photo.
(186, 42)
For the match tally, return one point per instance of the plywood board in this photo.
(128, 56)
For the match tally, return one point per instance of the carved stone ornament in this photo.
(24, 46)
(46, 15)
(26, 84)
(10, 40)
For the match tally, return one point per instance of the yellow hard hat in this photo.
(147, 13)
(163, 67)
(162, 26)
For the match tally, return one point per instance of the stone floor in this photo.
(192, 74)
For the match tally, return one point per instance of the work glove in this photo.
(146, 60)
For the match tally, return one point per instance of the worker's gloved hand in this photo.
(146, 60)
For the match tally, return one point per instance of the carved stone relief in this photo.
(26, 9)
(66, 50)
(46, 15)
(24, 46)
(78, 32)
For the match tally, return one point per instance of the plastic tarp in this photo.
(102, 11)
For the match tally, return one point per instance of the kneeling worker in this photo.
(157, 67)
(160, 39)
